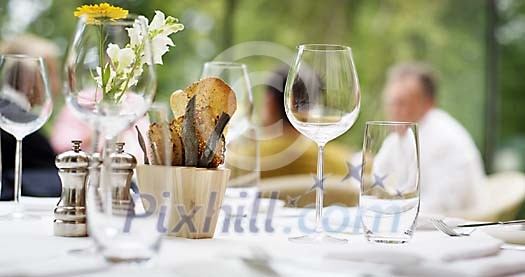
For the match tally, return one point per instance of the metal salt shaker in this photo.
(122, 166)
(70, 213)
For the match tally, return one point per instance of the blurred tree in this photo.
(447, 34)
(511, 37)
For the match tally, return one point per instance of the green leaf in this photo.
(105, 75)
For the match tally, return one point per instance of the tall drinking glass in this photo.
(242, 147)
(389, 198)
(25, 105)
(322, 101)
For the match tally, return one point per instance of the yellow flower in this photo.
(104, 11)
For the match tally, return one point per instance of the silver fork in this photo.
(443, 227)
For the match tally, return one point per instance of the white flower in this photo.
(164, 26)
(125, 58)
(121, 58)
(158, 21)
(112, 51)
(136, 33)
(126, 65)
(159, 46)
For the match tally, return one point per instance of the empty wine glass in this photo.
(242, 147)
(111, 108)
(322, 101)
(25, 105)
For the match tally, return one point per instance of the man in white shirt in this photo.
(451, 165)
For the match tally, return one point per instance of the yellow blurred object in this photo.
(292, 155)
(294, 187)
(288, 166)
(103, 11)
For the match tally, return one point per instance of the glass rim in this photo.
(129, 20)
(225, 64)
(390, 123)
(22, 57)
(320, 47)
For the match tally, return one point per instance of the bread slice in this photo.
(212, 97)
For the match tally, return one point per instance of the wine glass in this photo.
(25, 105)
(242, 147)
(322, 101)
(389, 195)
(108, 103)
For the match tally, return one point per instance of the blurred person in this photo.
(39, 172)
(451, 165)
(283, 150)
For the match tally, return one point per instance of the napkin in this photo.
(506, 263)
(426, 247)
(433, 254)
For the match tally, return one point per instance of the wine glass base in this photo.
(18, 215)
(318, 238)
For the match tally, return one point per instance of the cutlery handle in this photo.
(521, 221)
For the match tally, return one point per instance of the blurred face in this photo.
(270, 112)
(53, 75)
(405, 100)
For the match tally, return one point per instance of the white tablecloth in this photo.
(29, 248)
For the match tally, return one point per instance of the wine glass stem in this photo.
(320, 189)
(106, 174)
(18, 172)
(95, 141)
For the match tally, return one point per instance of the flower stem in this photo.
(101, 58)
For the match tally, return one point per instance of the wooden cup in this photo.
(196, 196)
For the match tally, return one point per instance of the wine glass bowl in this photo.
(25, 106)
(322, 101)
(236, 76)
(108, 110)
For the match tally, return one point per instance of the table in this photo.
(30, 249)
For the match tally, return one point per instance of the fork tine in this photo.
(446, 227)
(450, 230)
(440, 225)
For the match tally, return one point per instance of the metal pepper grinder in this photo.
(70, 213)
(122, 166)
